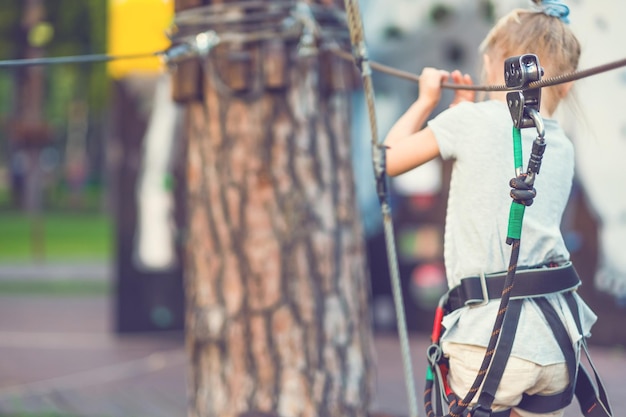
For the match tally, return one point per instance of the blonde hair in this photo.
(528, 31)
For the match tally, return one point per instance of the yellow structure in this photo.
(136, 27)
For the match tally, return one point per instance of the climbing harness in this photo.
(523, 105)
(593, 402)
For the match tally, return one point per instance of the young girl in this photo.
(477, 136)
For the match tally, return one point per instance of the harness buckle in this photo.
(483, 289)
(480, 411)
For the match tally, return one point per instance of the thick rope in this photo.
(457, 409)
(547, 82)
(195, 20)
(355, 25)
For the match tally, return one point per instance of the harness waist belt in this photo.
(532, 282)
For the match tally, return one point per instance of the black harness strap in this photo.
(593, 401)
(499, 361)
(530, 282)
(547, 403)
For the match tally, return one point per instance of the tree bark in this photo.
(277, 287)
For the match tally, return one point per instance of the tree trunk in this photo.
(277, 288)
(30, 131)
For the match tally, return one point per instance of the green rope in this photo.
(517, 150)
(516, 213)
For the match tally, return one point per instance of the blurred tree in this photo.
(78, 95)
(59, 28)
(9, 33)
(71, 28)
(9, 23)
(28, 128)
(79, 29)
(276, 279)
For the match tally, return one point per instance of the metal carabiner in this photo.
(539, 147)
(533, 113)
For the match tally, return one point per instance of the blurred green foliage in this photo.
(9, 21)
(72, 27)
(79, 28)
(66, 236)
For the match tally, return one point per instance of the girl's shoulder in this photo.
(471, 113)
(489, 108)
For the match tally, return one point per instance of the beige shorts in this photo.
(520, 376)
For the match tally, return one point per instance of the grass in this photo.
(55, 288)
(55, 236)
(63, 237)
(42, 414)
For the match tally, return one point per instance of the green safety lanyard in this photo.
(516, 214)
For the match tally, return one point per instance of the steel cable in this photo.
(76, 59)
(547, 82)
(232, 15)
(355, 25)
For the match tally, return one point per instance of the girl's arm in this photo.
(408, 145)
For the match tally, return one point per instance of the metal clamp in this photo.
(198, 46)
(519, 71)
(483, 288)
(480, 411)
(303, 14)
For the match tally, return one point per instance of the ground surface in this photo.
(58, 353)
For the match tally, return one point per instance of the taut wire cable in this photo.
(290, 30)
(359, 49)
(75, 59)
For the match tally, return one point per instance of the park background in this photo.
(71, 170)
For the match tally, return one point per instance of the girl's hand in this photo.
(462, 95)
(430, 86)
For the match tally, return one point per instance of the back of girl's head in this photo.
(535, 31)
(542, 31)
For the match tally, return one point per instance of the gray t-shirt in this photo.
(478, 137)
